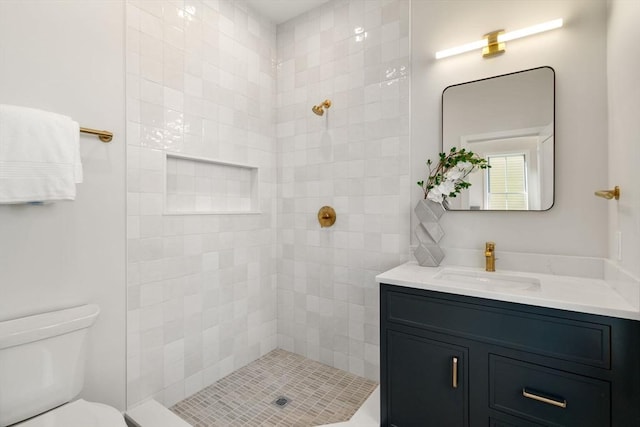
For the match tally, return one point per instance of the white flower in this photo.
(454, 174)
(464, 167)
(447, 187)
(435, 195)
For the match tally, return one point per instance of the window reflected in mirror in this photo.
(507, 182)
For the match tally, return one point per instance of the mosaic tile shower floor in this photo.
(318, 394)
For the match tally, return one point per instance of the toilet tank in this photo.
(42, 359)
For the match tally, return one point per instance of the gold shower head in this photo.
(319, 109)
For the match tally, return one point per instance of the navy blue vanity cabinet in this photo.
(452, 360)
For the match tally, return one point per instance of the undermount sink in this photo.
(488, 281)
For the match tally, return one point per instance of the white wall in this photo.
(68, 57)
(576, 223)
(623, 63)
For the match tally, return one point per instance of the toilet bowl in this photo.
(77, 414)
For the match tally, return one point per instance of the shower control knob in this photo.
(326, 216)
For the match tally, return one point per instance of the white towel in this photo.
(39, 155)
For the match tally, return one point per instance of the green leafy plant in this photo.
(448, 177)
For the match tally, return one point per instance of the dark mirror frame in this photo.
(442, 135)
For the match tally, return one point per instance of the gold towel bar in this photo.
(104, 135)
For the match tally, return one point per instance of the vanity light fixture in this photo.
(493, 43)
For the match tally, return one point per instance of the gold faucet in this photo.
(490, 256)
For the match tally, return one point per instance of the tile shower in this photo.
(210, 293)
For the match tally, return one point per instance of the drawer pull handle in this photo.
(455, 373)
(560, 404)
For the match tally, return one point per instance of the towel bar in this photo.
(105, 136)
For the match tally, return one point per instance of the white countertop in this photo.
(584, 295)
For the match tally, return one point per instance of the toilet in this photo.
(42, 360)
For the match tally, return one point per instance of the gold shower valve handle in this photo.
(326, 216)
(609, 194)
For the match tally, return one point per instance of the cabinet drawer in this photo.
(576, 341)
(549, 396)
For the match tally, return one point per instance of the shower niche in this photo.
(196, 185)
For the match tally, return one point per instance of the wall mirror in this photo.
(508, 120)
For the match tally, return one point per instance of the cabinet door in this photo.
(427, 382)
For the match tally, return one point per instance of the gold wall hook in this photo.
(326, 216)
(609, 194)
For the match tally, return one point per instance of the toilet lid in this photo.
(78, 414)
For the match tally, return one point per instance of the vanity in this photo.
(462, 347)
